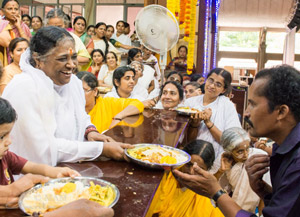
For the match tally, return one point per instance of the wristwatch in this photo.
(218, 194)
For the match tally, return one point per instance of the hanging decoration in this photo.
(191, 46)
(182, 14)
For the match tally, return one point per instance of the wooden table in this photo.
(137, 185)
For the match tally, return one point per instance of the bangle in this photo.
(118, 119)
(90, 128)
(211, 126)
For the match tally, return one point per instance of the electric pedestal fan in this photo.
(158, 30)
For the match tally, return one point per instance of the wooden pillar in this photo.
(201, 36)
(261, 60)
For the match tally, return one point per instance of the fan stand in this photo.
(162, 63)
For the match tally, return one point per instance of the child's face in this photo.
(5, 140)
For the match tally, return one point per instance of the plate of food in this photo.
(59, 192)
(157, 156)
(104, 89)
(186, 110)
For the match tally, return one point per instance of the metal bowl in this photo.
(85, 180)
(157, 165)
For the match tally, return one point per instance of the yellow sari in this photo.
(106, 108)
(171, 200)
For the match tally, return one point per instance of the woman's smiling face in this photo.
(170, 96)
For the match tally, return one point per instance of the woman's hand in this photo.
(115, 150)
(196, 118)
(67, 172)
(207, 114)
(95, 136)
(150, 103)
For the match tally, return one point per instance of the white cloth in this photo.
(113, 93)
(224, 116)
(105, 75)
(140, 90)
(238, 180)
(123, 39)
(148, 76)
(152, 58)
(100, 44)
(51, 119)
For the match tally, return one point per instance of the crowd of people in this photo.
(52, 76)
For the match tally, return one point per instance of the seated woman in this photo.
(36, 24)
(216, 112)
(104, 110)
(52, 124)
(107, 70)
(171, 94)
(124, 82)
(175, 76)
(90, 30)
(192, 89)
(198, 78)
(138, 88)
(16, 47)
(98, 60)
(236, 144)
(79, 25)
(173, 200)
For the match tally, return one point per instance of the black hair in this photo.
(281, 88)
(79, 18)
(1, 70)
(120, 72)
(126, 24)
(195, 77)
(8, 113)
(131, 54)
(89, 78)
(6, 1)
(226, 76)
(202, 87)
(90, 26)
(99, 51)
(26, 15)
(183, 46)
(13, 43)
(104, 37)
(178, 86)
(176, 73)
(110, 26)
(115, 55)
(38, 18)
(120, 21)
(203, 149)
(45, 39)
(194, 84)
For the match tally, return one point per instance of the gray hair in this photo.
(136, 62)
(55, 13)
(232, 137)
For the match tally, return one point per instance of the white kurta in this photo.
(51, 119)
(105, 75)
(123, 39)
(224, 116)
(100, 44)
(148, 76)
(152, 58)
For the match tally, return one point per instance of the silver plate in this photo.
(85, 180)
(157, 165)
(185, 112)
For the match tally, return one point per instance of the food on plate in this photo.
(52, 196)
(187, 110)
(157, 154)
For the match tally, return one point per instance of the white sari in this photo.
(51, 119)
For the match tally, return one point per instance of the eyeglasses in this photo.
(212, 81)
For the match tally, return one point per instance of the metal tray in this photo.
(157, 165)
(85, 180)
(185, 111)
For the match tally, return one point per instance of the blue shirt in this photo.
(286, 189)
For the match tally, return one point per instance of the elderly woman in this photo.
(56, 17)
(216, 112)
(16, 47)
(52, 124)
(124, 82)
(138, 88)
(11, 27)
(104, 110)
(236, 144)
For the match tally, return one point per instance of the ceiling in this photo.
(255, 13)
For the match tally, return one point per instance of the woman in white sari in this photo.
(236, 144)
(52, 124)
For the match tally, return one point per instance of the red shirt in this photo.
(10, 164)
